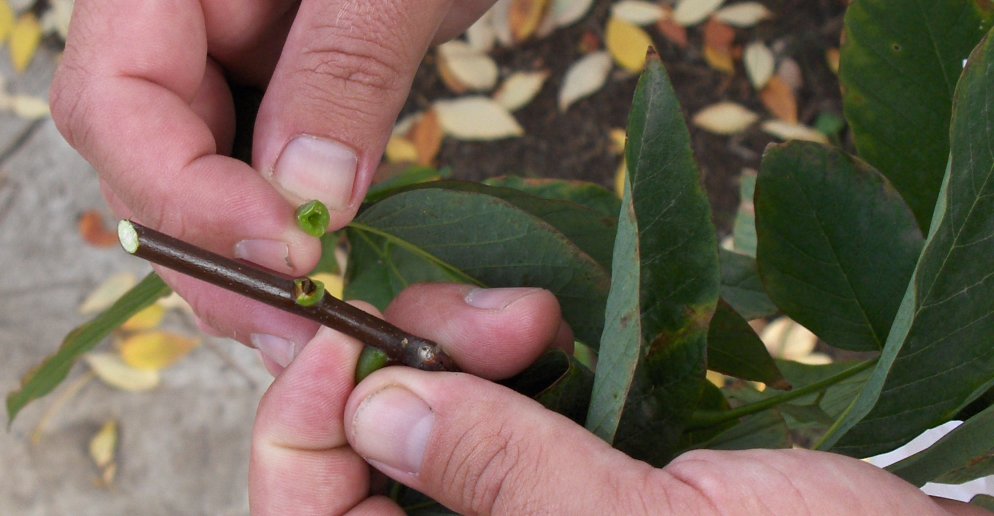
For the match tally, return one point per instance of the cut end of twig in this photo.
(307, 292)
(128, 236)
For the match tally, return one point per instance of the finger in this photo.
(479, 448)
(123, 98)
(493, 333)
(344, 74)
(301, 463)
(376, 506)
(247, 37)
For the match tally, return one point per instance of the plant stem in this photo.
(282, 293)
(706, 418)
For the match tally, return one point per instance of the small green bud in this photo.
(313, 217)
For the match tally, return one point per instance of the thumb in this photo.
(479, 448)
(341, 80)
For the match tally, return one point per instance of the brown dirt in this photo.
(575, 144)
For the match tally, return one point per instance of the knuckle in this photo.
(485, 470)
(355, 69)
(67, 100)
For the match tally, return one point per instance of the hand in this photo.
(479, 448)
(142, 94)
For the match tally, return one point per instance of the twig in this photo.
(301, 296)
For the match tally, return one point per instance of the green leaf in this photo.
(664, 288)
(741, 286)
(412, 176)
(593, 196)
(438, 234)
(763, 430)
(938, 355)
(836, 244)
(744, 227)
(559, 382)
(962, 455)
(899, 66)
(735, 349)
(328, 263)
(984, 501)
(50, 373)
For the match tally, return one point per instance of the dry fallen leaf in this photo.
(618, 138)
(24, 40)
(476, 118)
(93, 230)
(719, 40)
(672, 31)
(787, 131)
(519, 89)
(637, 12)
(29, 107)
(568, 12)
(146, 319)
(743, 15)
(481, 35)
(107, 292)
(832, 57)
(155, 350)
(464, 68)
(333, 283)
(725, 118)
(56, 18)
(426, 135)
(584, 77)
(7, 20)
(525, 16)
(113, 371)
(620, 176)
(627, 43)
(692, 12)
(104, 444)
(790, 72)
(779, 100)
(786, 339)
(401, 150)
(759, 64)
(500, 20)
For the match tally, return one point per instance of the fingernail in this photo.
(271, 254)
(496, 298)
(316, 168)
(392, 427)
(275, 348)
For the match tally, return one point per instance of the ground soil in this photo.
(575, 144)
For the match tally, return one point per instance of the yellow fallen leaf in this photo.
(692, 12)
(584, 78)
(725, 118)
(426, 134)
(618, 138)
(7, 18)
(716, 378)
(104, 444)
(24, 40)
(155, 350)
(627, 43)
(112, 370)
(719, 60)
(481, 35)
(401, 150)
(832, 57)
(333, 283)
(519, 89)
(107, 292)
(619, 178)
(148, 318)
(476, 118)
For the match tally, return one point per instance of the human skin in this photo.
(142, 94)
(480, 448)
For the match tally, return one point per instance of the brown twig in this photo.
(300, 296)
